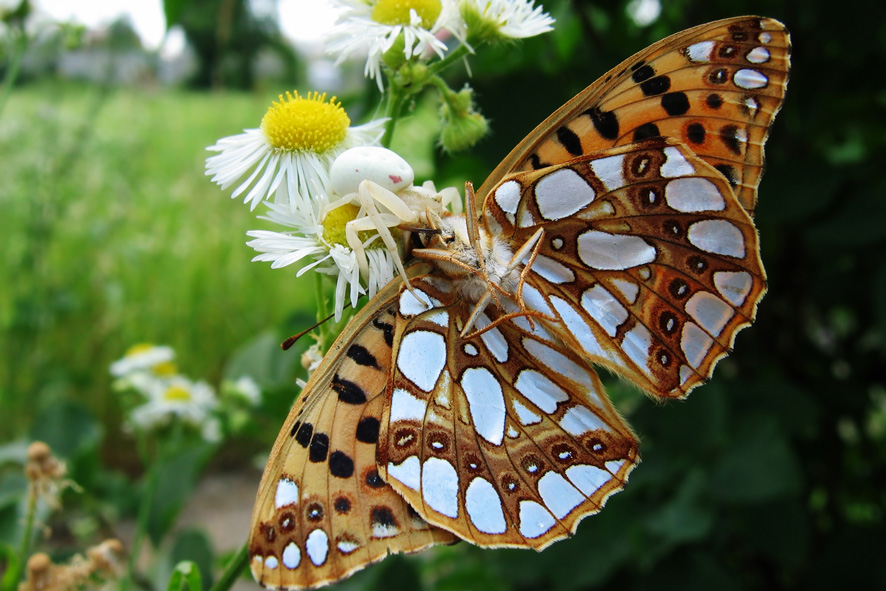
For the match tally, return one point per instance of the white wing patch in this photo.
(610, 171)
(421, 358)
(562, 193)
(734, 286)
(717, 237)
(486, 402)
(694, 194)
(613, 252)
(439, 487)
(484, 507)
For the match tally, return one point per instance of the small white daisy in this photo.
(375, 27)
(493, 20)
(326, 244)
(177, 397)
(145, 357)
(289, 156)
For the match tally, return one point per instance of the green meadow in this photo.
(113, 236)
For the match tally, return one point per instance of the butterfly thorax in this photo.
(477, 268)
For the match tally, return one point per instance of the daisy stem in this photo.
(144, 511)
(392, 112)
(233, 569)
(458, 53)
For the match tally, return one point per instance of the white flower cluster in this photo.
(164, 395)
(315, 196)
(375, 28)
(300, 163)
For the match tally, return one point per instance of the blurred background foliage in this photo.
(770, 477)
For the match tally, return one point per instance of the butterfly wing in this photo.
(715, 87)
(648, 263)
(506, 438)
(322, 510)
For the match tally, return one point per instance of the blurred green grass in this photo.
(112, 236)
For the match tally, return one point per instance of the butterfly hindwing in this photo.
(715, 87)
(322, 510)
(504, 438)
(648, 263)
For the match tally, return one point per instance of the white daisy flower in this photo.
(174, 398)
(244, 388)
(493, 20)
(325, 245)
(356, 238)
(145, 357)
(289, 156)
(374, 27)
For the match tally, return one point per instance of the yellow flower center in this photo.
(139, 348)
(177, 394)
(305, 124)
(166, 368)
(337, 219)
(396, 12)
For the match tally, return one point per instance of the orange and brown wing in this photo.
(715, 87)
(322, 511)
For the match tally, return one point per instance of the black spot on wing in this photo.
(387, 329)
(656, 86)
(374, 480)
(646, 131)
(361, 356)
(570, 141)
(605, 122)
(695, 133)
(304, 434)
(341, 465)
(675, 103)
(730, 138)
(348, 391)
(367, 430)
(714, 101)
(642, 74)
(319, 447)
(383, 516)
(729, 172)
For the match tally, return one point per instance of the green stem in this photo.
(458, 53)
(25, 546)
(233, 569)
(144, 513)
(392, 112)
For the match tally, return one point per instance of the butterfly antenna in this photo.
(285, 345)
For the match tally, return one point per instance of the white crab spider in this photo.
(380, 182)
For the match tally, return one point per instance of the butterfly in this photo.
(465, 406)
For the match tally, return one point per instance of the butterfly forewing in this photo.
(322, 510)
(715, 87)
(648, 264)
(505, 438)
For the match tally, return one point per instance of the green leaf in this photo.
(176, 478)
(758, 466)
(193, 547)
(68, 427)
(185, 577)
(686, 517)
(10, 561)
(172, 10)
